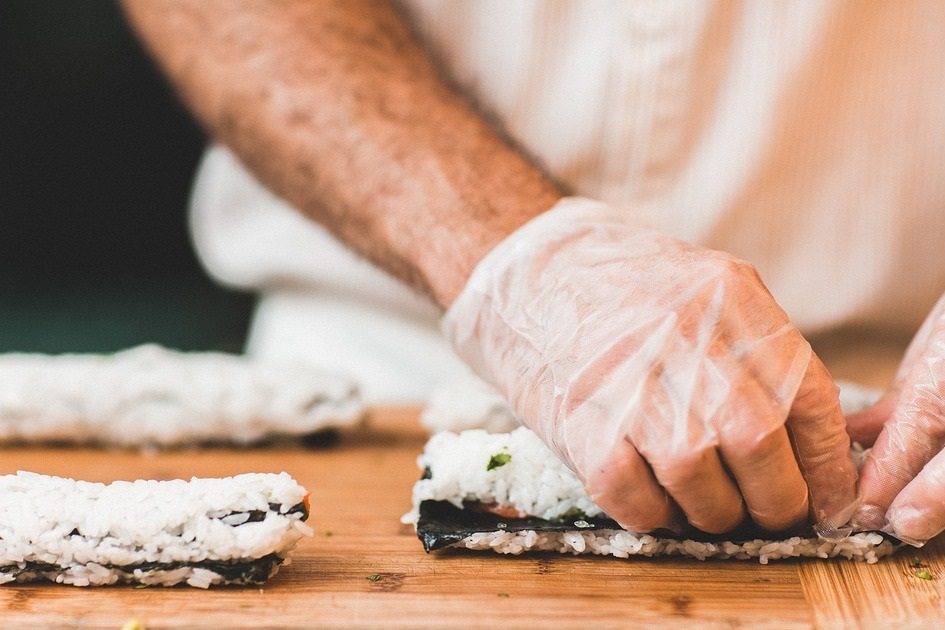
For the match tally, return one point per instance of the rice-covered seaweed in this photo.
(152, 396)
(543, 507)
(202, 532)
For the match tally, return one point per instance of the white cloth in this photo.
(806, 137)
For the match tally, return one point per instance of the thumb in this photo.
(865, 426)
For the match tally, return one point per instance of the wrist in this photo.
(448, 263)
(515, 264)
(521, 233)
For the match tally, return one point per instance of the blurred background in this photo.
(96, 163)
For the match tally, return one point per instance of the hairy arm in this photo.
(337, 108)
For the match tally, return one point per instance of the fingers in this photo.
(918, 513)
(701, 487)
(625, 488)
(822, 446)
(757, 450)
(770, 481)
(913, 435)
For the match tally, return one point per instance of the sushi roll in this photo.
(151, 396)
(202, 532)
(508, 493)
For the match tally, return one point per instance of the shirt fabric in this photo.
(805, 137)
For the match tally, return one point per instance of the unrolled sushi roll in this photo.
(151, 396)
(202, 532)
(508, 493)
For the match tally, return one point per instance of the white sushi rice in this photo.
(855, 397)
(536, 483)
(868, 547)
(151, 396)
(84, 533)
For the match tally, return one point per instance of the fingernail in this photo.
(868, 518)
(911, 525)
(837, 526)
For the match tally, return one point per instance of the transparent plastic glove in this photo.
(663, 374)
(902, 488)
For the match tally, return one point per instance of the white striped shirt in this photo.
(806, 137)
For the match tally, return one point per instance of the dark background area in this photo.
(97, 158)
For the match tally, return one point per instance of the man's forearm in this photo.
(338, 109)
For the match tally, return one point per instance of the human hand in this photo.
(663, 374)
(902, 481)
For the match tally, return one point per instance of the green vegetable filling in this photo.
(923, 574)
(498, 460)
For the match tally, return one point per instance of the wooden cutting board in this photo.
(362, 486)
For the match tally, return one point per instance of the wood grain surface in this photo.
(362, 486)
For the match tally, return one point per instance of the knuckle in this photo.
(902, 469)
(909, 442)
(816, 406)
(736, 269)
(751, 439)
(823, 461)
(821, 410)
(680, 467)
(926, 407)
(760, 450)
(825, 448)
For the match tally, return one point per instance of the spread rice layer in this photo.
(82, 533)
(151, 396)
(868, 547)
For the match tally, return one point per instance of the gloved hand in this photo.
(663, 374)
(902, 482)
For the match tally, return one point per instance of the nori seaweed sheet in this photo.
(323, 438)
(249, 571)
(442, 524)
(256, 516)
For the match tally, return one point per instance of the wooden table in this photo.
(361, 487)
